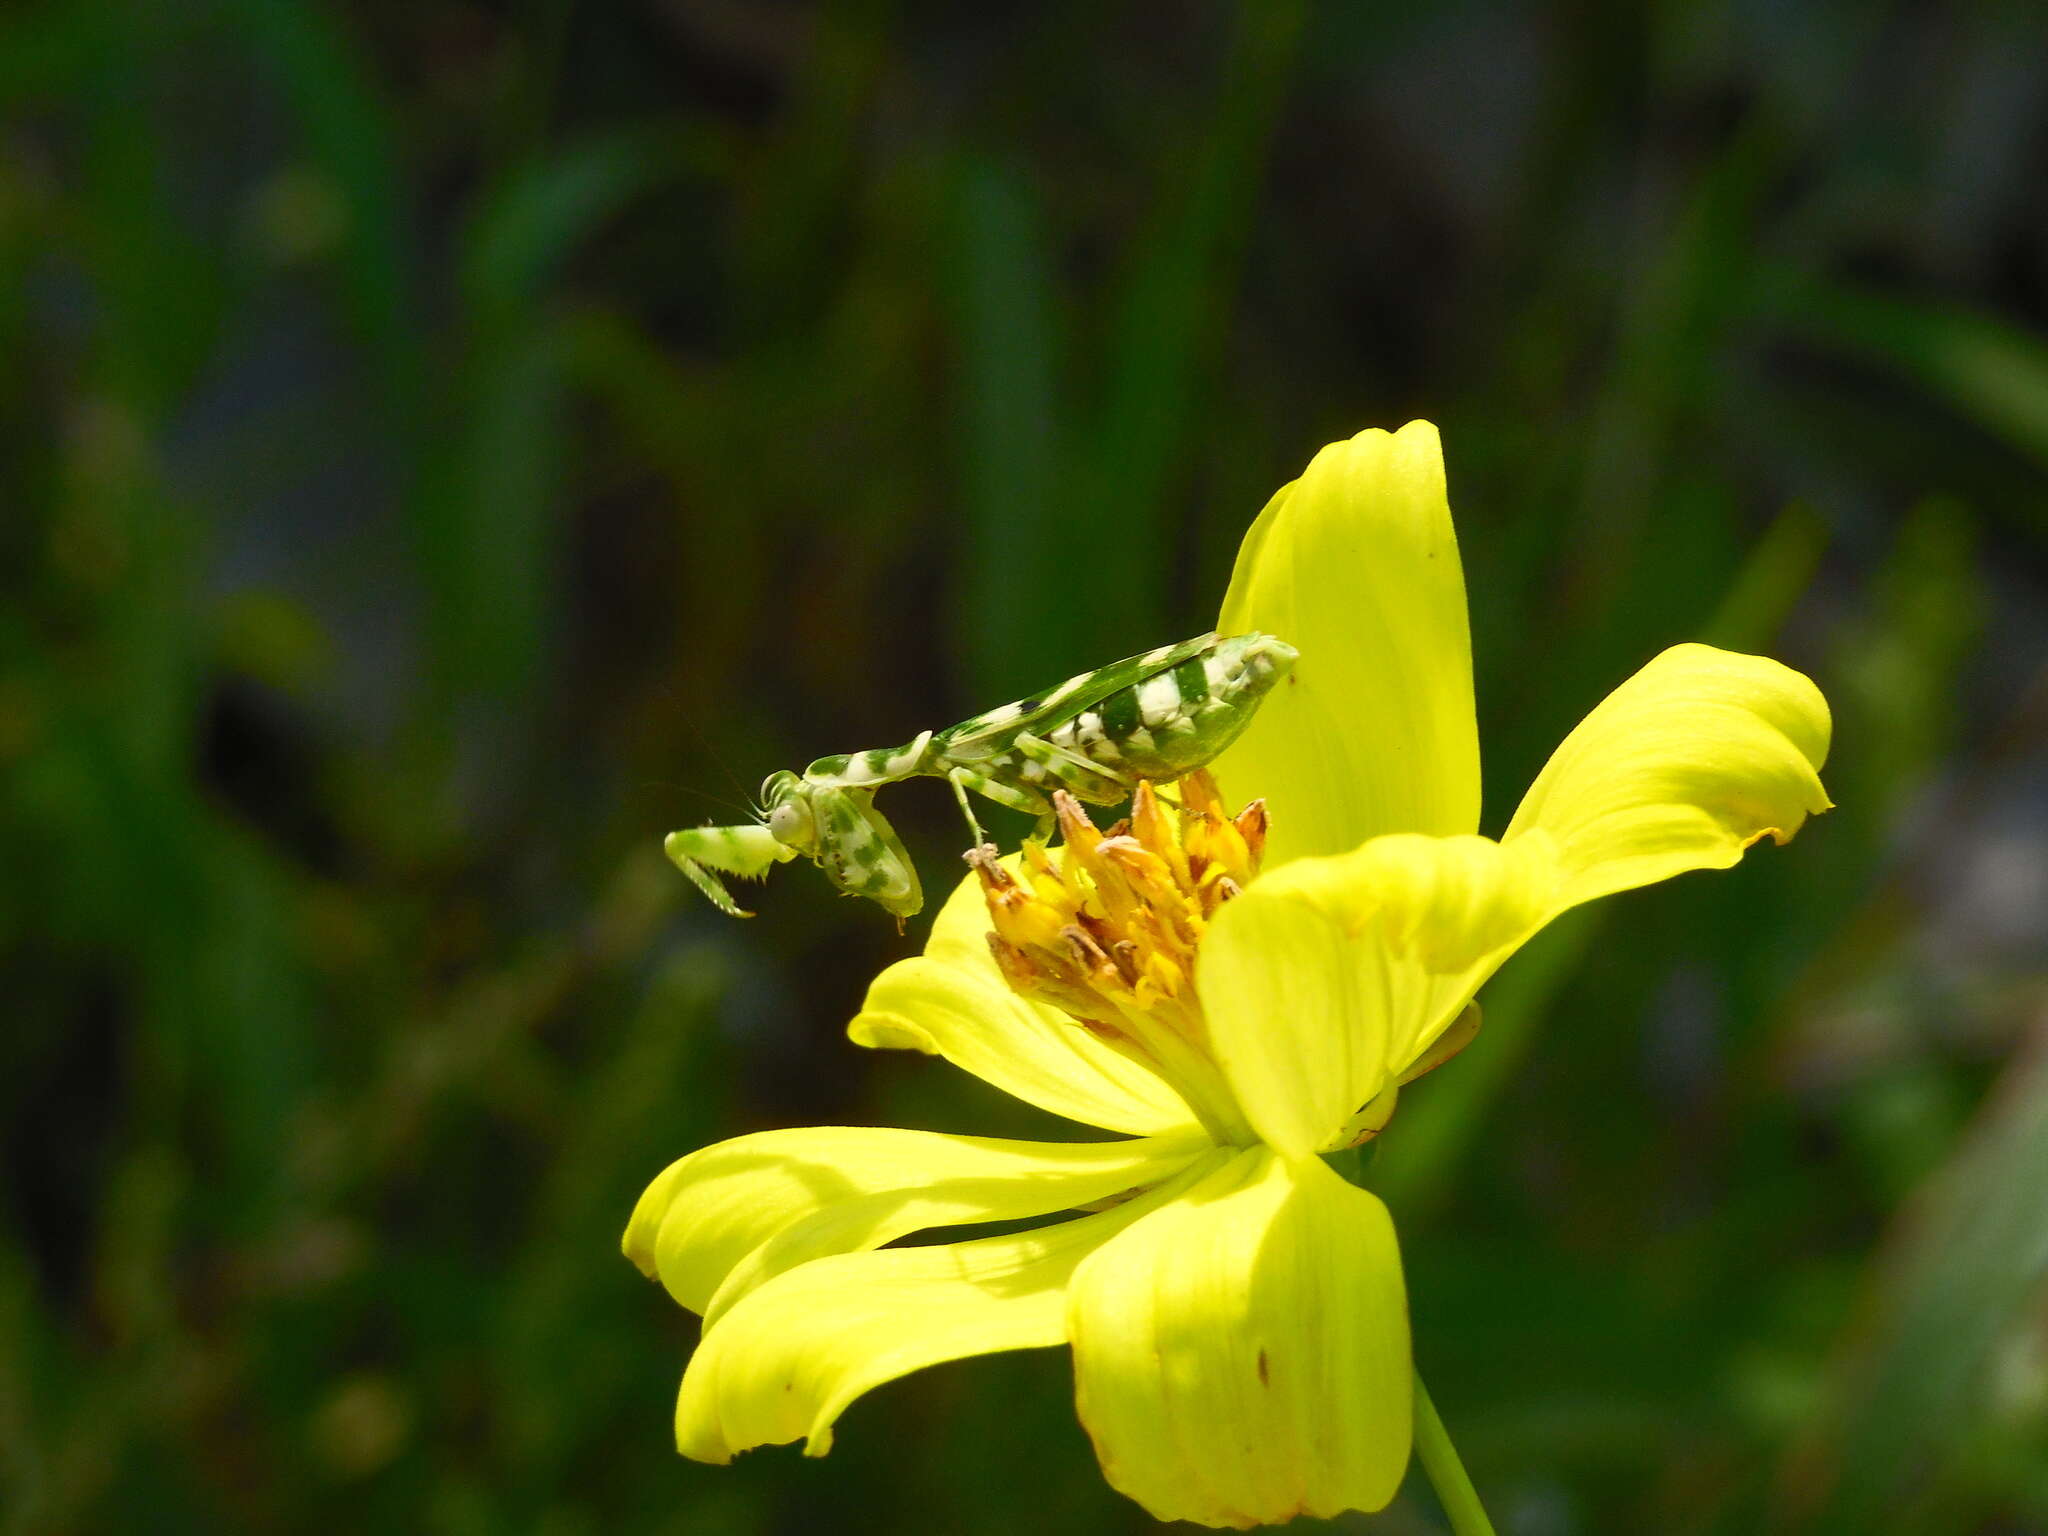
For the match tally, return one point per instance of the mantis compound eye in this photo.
(791, 823)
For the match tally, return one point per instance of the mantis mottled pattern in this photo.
(1147, 718)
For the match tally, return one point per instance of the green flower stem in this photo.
(1446, 1473)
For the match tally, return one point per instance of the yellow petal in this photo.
(1356, 566)
(1241, 1354)
(786, 1361)
(1682, 767)
(1325, 980)
(723, 1220)
(951, 1001)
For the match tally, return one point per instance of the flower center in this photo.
(1107, 931)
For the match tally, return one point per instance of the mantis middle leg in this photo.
(1015, 796)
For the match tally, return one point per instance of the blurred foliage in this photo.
(443, 446)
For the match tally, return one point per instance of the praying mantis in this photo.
(1151, 717)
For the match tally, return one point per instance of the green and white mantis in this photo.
(1152, 717)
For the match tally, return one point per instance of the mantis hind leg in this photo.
(1015, 796)
(1082, 779)
(746, 852)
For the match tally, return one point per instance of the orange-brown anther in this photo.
(1021, 916)
(1013, 963)
(1149, 825)
(1126, 955)
(1251, 826)
(1076, 830)
(1106, 928)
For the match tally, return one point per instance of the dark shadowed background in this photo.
(445, 446)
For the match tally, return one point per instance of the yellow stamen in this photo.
(1108, 931)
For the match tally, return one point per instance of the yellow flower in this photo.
(1237, 996)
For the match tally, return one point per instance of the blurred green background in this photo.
(445, 446)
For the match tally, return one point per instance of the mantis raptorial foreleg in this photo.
(747, 852)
